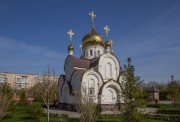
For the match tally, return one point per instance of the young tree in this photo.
(23, 98)
(46, 89)
(5, 99)
(86, 107)
(134, 103)
(173, 90)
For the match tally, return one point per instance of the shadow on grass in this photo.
(7, 117)
(27, 118)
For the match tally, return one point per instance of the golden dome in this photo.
(70, 47)
(108, 44)
(92, 38)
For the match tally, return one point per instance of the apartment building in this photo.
(21, 81)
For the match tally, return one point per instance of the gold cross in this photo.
(106, 28)
(70, 33)
(92, 14)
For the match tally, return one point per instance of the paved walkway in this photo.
(163, 102)
(58, 111)
(75, 114)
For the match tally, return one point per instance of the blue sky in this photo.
(33, 33)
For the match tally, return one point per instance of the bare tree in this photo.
(46, 89)
(86, 107)
(5, 99)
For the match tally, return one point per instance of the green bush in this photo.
(36, 111)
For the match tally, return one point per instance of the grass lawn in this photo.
(22, 114)
(28, 118)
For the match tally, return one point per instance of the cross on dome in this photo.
(106, 28)
(70, 33)
(92, 14)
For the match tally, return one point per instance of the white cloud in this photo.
(10, 44)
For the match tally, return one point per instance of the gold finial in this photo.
(92, 14)
(106, 28)
(70, 33)
(111, 42)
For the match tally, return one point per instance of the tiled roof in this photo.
(81, 63)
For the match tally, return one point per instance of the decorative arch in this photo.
(91, 82)
(109, 67)
(110, 93)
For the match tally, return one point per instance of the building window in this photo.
(108, 70)
(84, 53)
(91, 85)
(2, 78)
(91, 91)
(91, 53)
(99, 52)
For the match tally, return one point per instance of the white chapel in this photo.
(97, 73)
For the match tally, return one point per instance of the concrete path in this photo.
(75, 114)
(163, 102)
(58, 111)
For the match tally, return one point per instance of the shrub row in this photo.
(174, 118)
(168, 111)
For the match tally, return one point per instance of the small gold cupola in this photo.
(70, 47)
(108, 43)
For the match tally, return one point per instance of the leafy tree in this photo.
(173, 90)
(5, 99)
(36, 111)
(23, 98)
(134, 103)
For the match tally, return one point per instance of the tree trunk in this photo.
(48, 112)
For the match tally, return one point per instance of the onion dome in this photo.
(92, 38)
(70, 47)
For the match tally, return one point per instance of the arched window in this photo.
(108, 70)
(91, 87)
(91, 53)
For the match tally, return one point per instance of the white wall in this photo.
(95, 49)
(108, 67)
